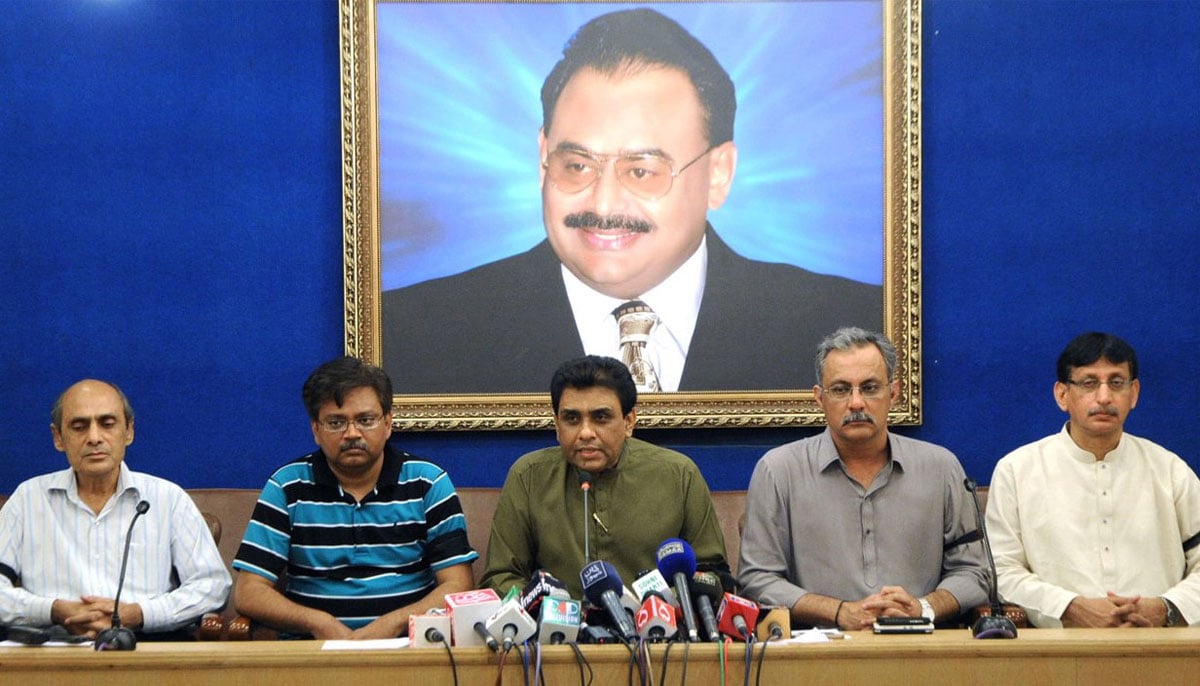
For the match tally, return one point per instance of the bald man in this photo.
(62, 535)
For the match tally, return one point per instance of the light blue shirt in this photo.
(53, 546)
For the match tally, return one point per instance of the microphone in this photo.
(511, 624)
(653, 582)
(118, 637)
(560, 620)
(706, 586)
(655, 619)
(738, 617)
(774, 623)
(429, 630)
(677, 562)
(541, 585)
(468, 611)
(486, 636)
(601, 585)
(997, 625)
(585, 485)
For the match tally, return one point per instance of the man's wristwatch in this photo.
(1172, 613)
(927, 610)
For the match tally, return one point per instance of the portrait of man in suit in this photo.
(636, 149)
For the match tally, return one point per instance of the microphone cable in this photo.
(581, 662)
(723, 657)
(537, 664)
(762, 652)
(435, 635)
(523, 651)
(749, 659)
(662, 675)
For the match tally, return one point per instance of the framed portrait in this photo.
(753, 183)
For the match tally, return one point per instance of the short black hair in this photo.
(1088, 348)
(629, 40)
(336, 378)
(594, 370)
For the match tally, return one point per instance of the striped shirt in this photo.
(53, 546)
(356, 560)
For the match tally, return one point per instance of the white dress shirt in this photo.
(676, 301)
(1064, 524)
(56, 547)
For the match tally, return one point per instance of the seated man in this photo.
(641, 494)
(1091, 526)
(62, 535)
(366, 534)
(856, 522)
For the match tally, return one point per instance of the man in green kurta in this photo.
(640, 494)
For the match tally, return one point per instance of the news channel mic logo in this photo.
(593, 572)
(562, 610)
(671, 547)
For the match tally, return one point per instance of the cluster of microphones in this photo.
(671, 602)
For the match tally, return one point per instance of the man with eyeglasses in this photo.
(857, 523)
(1091, 526)
(636, 147)
(360, 534)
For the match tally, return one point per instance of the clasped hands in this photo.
(890, 601)
(1115, 611)
(92, 614)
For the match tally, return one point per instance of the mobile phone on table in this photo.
(903, 625)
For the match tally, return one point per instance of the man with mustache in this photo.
(62, 534)
(858, 523)
(348, 541)
(636, 147)
(1091, 526)
(641, 494)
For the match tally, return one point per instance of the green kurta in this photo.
(651, 495)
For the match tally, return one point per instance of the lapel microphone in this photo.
(118, 637)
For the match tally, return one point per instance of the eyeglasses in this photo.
(646, 175)
(871, 390)
(336, 425)
(1090, 386)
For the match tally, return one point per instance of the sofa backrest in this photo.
(233, 507)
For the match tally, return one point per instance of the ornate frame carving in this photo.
(901, 80)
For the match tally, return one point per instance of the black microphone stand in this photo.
(118, 637)
(997, 624)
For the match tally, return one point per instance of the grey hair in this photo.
(851, 337)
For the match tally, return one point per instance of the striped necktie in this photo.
(635, 321)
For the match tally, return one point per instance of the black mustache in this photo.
(353, 444)
(591, 220)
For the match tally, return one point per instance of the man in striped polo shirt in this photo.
(362, 535)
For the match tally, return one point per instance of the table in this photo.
(1038, 656)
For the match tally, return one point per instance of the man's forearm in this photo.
(395, 622)
(264, 604)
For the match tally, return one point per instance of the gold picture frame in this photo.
(900, 210)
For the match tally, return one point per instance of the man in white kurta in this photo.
(1093, 526)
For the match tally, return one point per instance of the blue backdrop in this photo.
(171, 221)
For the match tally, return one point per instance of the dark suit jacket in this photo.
(506, 326)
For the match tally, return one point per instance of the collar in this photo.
(827, 454)
(64, 481)
(1086, 457)
(612, 472)
(390, 473)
